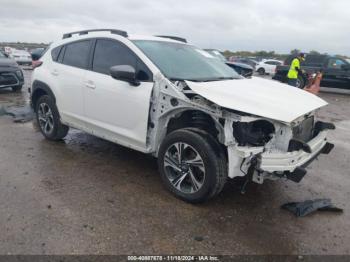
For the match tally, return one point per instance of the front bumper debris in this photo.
(288, 161)
(298, 174)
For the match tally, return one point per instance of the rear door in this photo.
(70, 70)
(117, 110)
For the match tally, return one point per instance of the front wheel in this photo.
(191, 166)
(49, 119)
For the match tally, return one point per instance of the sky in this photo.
(278, 25)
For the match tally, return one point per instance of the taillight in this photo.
(36, 63)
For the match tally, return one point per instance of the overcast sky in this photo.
(279, 25)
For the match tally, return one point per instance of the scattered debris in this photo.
(301, 209)
(198, 238)
(20, 114)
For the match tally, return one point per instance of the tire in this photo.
(300, 82)
(48, 119)
(261, 71)
(209, 171)
(16, 88)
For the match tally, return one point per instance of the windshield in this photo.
(2, 55)
(218, 55)
(185, 62)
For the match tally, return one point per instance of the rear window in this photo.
(77, 54)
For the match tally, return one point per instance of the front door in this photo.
(335, 75)
(114, 109)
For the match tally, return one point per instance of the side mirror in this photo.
(124, 73)
(345, 67)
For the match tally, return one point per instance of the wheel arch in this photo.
(188, 118)
(39, 89)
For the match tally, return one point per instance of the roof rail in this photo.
(173, 37)
(85, 32)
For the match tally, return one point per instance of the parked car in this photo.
(37, 53)
(246, 61)
(336, 71)
(242, 69)
(11, 75)
(204, 122)
(8, 50)
(22, 57)
(267, 66)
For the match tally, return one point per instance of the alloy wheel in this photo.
(184, 168)
(45, 118)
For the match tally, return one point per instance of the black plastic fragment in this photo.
(297, 175)
(301, 209)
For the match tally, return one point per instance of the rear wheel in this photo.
(49, 120)
(191, 166)
(261, 71)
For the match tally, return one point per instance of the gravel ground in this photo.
(85, 195)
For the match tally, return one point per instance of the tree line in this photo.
(271, 54)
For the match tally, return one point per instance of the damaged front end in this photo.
(257, 147)
(265, 149)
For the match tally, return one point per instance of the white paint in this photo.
(259, 97)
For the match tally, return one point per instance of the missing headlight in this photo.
(256, 133)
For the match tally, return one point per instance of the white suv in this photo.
(162, 96)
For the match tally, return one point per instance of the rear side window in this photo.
(55, 53)
(60, 57)
(110, 53)
(77, 54)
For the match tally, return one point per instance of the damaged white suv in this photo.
(162, 96)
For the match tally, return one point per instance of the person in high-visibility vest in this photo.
(295, 70)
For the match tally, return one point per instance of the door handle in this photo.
(90, 84)
(54, 72)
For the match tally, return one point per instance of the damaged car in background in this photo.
(204, 122)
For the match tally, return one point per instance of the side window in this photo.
(110, 53)
(77, 54)
(335, 63)
(60, 57)
(55, 52)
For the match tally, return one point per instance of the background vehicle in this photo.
(10, 74)
(267, 66)
(336, 71)
(204, 122)
(246, 61)
(242, 69)
(22, 57)
(37, 53)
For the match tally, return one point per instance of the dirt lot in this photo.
(88, 196)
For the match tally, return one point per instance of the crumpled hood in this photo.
(261, 97)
